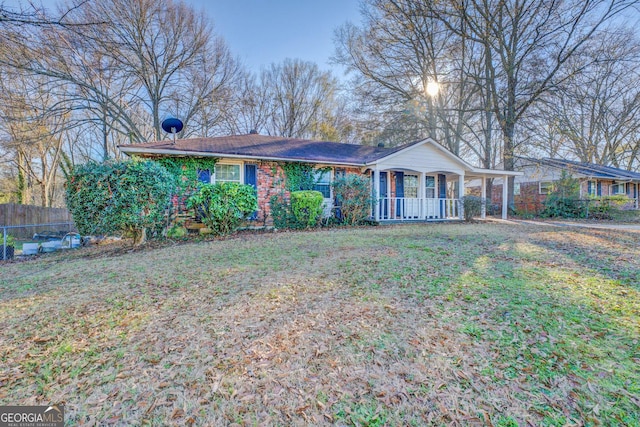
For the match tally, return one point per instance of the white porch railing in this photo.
(410, 208)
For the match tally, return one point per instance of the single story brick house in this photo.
(539, 175)
(418, 181)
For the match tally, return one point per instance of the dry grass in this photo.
(484, 324)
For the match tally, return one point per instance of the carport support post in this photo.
(483, 196)
(461, 195)
(505, 195)
(376, 194)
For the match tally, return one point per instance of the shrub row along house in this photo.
(417, 181)
(540, 176)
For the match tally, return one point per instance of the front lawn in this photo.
(482, 324)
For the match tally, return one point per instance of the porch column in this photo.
(483, 196)
(505, 195)
(461, 195)
(422, 194)
(376, 194)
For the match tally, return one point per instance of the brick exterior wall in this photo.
(271, 182)
(531, 201)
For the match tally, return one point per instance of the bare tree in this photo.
(151, 59)
(294, 99)
(595, 112)
(402, 47)
(528, 44)
(34, 137)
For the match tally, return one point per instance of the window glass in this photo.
(546, 187)
(323, 183)
(431, 187)
(516, 188)
(410, 186)
(227, 173)
(618, 189)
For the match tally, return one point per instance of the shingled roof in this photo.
(267, 148)
(589, 169)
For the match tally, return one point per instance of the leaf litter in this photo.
(431, 324)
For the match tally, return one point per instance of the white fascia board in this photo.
(133, 150)
(493, 172)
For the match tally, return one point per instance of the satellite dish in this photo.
(172, 125)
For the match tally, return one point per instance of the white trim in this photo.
(331, 179)
(483, 195)
(618, 184)
(497, 172)
(133, 150)
(231, 163)
(420, 144)
(470, 170)
(545, 182)
(505, 196)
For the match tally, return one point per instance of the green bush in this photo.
(128, 196)
(609, 207)
(306, 207)
(353, 193)
(281, 212)
(564, 201)
(224, 205)
(177, 231)
(472, 206)
(11, 241)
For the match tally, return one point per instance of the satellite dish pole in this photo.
(172, 126)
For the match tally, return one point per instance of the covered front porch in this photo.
(410, 195)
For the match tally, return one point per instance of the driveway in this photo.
(606, 226)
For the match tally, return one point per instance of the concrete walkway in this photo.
(552, 223)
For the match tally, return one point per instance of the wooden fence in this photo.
(14, 214)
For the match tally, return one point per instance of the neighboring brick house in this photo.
(417, 181)
(539, 175)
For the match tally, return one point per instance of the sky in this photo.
(261, 32)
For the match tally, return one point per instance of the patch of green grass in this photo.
(371, 326)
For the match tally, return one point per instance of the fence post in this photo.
(4, 243)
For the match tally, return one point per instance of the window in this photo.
(323, 183)
(592, 186)
(227, 173)
(516, 188)
(618, 189)
(431, 187)
(546, 187)
(410, 186)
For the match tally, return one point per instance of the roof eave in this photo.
(133, 150)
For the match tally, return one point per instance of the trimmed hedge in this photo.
(129, 196)
(306, 207)
(224, 205)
